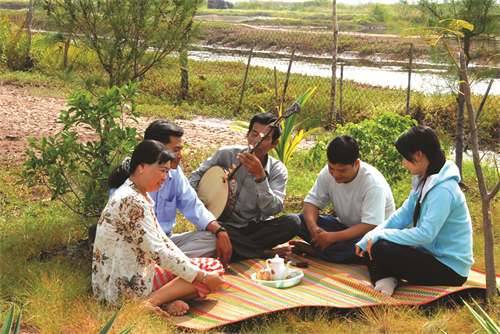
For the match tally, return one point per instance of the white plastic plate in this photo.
(282, 283)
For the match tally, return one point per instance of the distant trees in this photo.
(379, 12)
(129, 37)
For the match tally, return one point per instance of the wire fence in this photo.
(374, 73)
(241, 68)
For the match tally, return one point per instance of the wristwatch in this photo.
(221, 229)
(262, 179)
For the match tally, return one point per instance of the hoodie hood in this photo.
(449, 171)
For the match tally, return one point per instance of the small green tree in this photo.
(483, 15)
(76, 172)
(375, 138)
(457, 57)
(481, 31)
(129, 37)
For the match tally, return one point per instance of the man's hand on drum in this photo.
(252, 164)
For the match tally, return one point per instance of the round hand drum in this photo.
(218, 194)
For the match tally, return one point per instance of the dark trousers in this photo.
(252, 240)
(337, 252)
(403, 262)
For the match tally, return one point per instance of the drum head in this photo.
(213, 190)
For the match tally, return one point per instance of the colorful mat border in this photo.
(238, 275)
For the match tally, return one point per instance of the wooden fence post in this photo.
(184, 65)
(287, 76)
(28, 63)
(334, 66)
(341, 90)
(244, 80)
(275, 85)
(408, 93)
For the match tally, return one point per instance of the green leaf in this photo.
(127, 330)
(310, 132)
(7, 324)
(284, 149)
(459, 24)
(487, 323)
(242, 124)
(18, 322)
(109, 324)
(293, 146)
(237, 128)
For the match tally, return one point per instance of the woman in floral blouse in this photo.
(132, 255)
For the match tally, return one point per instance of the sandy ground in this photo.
(23, 115)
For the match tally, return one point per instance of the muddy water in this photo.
(427, 81)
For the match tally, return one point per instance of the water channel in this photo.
(428, 81)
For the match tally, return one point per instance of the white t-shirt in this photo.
(366, 199)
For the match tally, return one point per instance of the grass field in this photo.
(33, 227)
(56, 290)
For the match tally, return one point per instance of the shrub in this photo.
(76, 172)
(375, 138)
(13, 45)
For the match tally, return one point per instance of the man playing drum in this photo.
(261, 189)
(360, 196)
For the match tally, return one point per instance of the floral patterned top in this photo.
(128, 243)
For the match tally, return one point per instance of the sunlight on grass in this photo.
(57, 294)
(30, 225)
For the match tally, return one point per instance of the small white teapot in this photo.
(277, 267)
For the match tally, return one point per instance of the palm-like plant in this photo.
(9, 320)
(287, 144)
(483, 318)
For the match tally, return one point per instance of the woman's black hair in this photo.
(147, 152)
(424, 139)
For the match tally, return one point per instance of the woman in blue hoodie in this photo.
(437, 249)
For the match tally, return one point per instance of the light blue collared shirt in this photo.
(176, 193)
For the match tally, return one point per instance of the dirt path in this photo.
(23, 115)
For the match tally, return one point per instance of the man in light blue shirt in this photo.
(176, 194)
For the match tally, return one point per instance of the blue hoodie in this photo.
(444, 227)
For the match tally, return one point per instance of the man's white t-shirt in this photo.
(366, 199)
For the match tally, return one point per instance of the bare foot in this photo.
(301, 248)
(176, 308)
(154, 309)
(283, 252)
